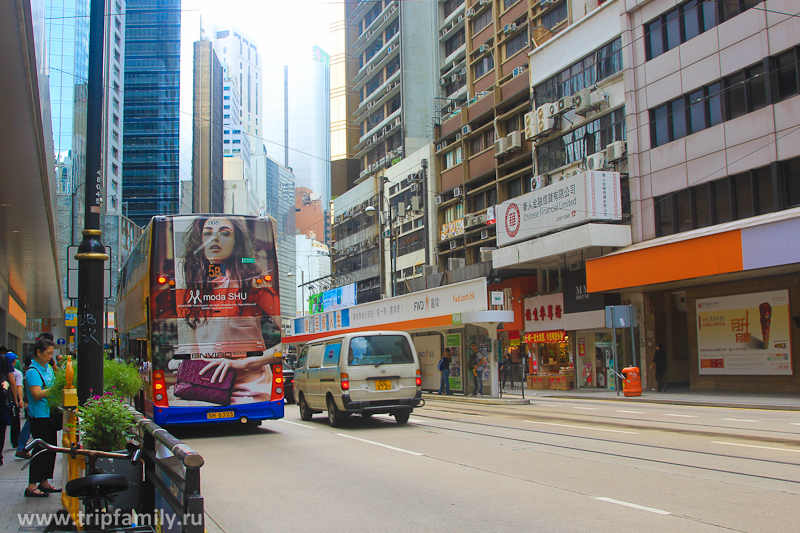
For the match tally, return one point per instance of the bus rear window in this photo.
(379, 350)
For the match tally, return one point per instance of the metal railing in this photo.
(512, 380)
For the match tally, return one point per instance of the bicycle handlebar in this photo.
(132, 453)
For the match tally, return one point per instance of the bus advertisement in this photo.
(199, 311)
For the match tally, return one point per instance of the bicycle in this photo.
(95, 490)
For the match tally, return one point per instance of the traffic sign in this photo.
(61, 341)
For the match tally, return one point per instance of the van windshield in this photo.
(379, 350)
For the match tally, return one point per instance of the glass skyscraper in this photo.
(67, 25)
(150, 166)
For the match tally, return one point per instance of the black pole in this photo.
(424, 171)
(91, 251)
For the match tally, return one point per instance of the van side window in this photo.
(315, 355)
(331, 357)
(301, 361)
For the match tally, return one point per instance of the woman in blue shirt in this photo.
(38, 379)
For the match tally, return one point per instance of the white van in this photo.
(364, 373)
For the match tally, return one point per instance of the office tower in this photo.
(150, 169)
(114, 104)
(207, 189)
(237, 171)
(310, 213)
(313, 263)
(297, 119)
(67, 23)
(241, 60)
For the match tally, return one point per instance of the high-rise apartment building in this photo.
(297, 129)
(150, 168)
(67, 23)
(393, 112)
(310, 215)
(207, 138)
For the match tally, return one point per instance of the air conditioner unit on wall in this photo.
(537, 182)
(466, 130)
(500, 146)
(545, 122)
(455, 263)
(530, 125)
(484, 234)
(615, 151)
(564, 104)
(519, 70)
(510, 27)
(458, 192)
(453, 244)
(514, 141)
(486, 255)
(438, 199)
(470, 13)
(596, 161)
(483, 48)
(582, 101)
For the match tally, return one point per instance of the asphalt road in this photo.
(463, 468)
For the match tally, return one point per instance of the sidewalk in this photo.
(740, 400)
(13, 482)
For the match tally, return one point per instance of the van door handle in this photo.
(327, 379)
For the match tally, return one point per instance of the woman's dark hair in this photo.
(46, 335)
(43, 344)
(195, 267)
(447, 350)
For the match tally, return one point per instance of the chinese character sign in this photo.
(544, 313)
(746, 334)
(581, 198)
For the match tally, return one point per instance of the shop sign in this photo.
(497, 297)
(581, 198)
(746, 334)
(545, 336)
(490, 217)
(456, 319)
(466, 296)
(452, 229)
(577, 299)
(71, 316)
(544, 313)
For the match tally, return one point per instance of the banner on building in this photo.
(745, 334)
(545, 336)
(544, 313)
(454, 228)
(581, 198)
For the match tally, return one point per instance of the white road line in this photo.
(581, 427)
(381, 445)
(296, 424)
(795, 423)
(740, 420)
(683, 416)
(634, 506)
(545, 404)
(632, 412)
(587, 408)
(754, 446)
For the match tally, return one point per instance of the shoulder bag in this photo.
(56, 419)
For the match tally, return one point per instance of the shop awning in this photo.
(758, 242)
(529, 253)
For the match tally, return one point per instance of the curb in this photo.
(483, 401)
(696, 403)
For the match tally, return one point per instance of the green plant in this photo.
(121, 378)
(104, 423)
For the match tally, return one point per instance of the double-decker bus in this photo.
(198, 309)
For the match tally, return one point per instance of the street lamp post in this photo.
(290, 274)
(370, 210)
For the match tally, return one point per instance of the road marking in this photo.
(587, 408)
(381, 445)
(740, 420)
(683, 416)
(632, 412)
(581, 427)
(795, 423)
(634, 506)
(296, 424)
(546, 404)
(754, 446)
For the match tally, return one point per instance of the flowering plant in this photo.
(104, 422)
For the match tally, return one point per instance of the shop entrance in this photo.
(672, 330)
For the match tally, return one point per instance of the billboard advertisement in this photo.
(227, 307)
(745, 334)
(581, 198)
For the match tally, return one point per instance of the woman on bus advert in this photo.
(227, 304)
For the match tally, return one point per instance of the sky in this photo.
(284, 30)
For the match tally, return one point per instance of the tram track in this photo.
(690, 428)
(646, 447)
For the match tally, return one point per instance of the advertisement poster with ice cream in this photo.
(746, 334)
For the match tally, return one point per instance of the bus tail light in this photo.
(419, 379)
(345, 381)
(159, 389)
(277, 382)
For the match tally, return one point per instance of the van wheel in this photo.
(401, 417)
(334, 417)
(305, 410)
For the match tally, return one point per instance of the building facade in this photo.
(314, 263)
(713, 112)
(150, 167)
(310, 217)
(207, 167)
(114, 104)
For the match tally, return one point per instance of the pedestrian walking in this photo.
(17, 406)
(505, 369)
(38, 380)
(444, 368)
(478, 366)
(660, 365)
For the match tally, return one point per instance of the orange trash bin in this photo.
(632, 384)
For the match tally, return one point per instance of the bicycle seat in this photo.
(104, 484)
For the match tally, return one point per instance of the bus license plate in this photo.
(383, 384)
(219, 414)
